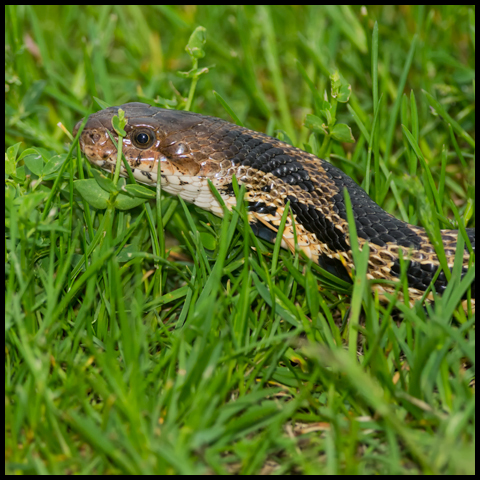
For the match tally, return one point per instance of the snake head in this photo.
(176, 139)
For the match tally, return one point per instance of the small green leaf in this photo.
(124, 202)
(92, 193)
(165, 102)
(344, 93)
(118, 122)
(127, 253)
(342, 133)
(31, 201)
(326, 113)
(196, 42)
(336, 82)
(45, 154)
(28, 151)
(13, 151)
(316, 124)
(195, 72)
(54, 163)
(11, 158)
(104, 182)
(340, 89)
(139, 191)
(9, 166)
(34, 163)
(208, 240)
(19, 175)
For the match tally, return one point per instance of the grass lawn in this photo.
(160, 339)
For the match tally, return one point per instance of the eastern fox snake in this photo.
(193, 148)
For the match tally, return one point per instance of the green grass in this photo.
(221, 353)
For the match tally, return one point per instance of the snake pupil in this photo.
(142, 138)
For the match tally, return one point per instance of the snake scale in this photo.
(192, 148)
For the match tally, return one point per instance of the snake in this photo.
(190, 149)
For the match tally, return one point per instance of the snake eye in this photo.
(142, 138)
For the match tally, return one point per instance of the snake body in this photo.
(192, 148)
